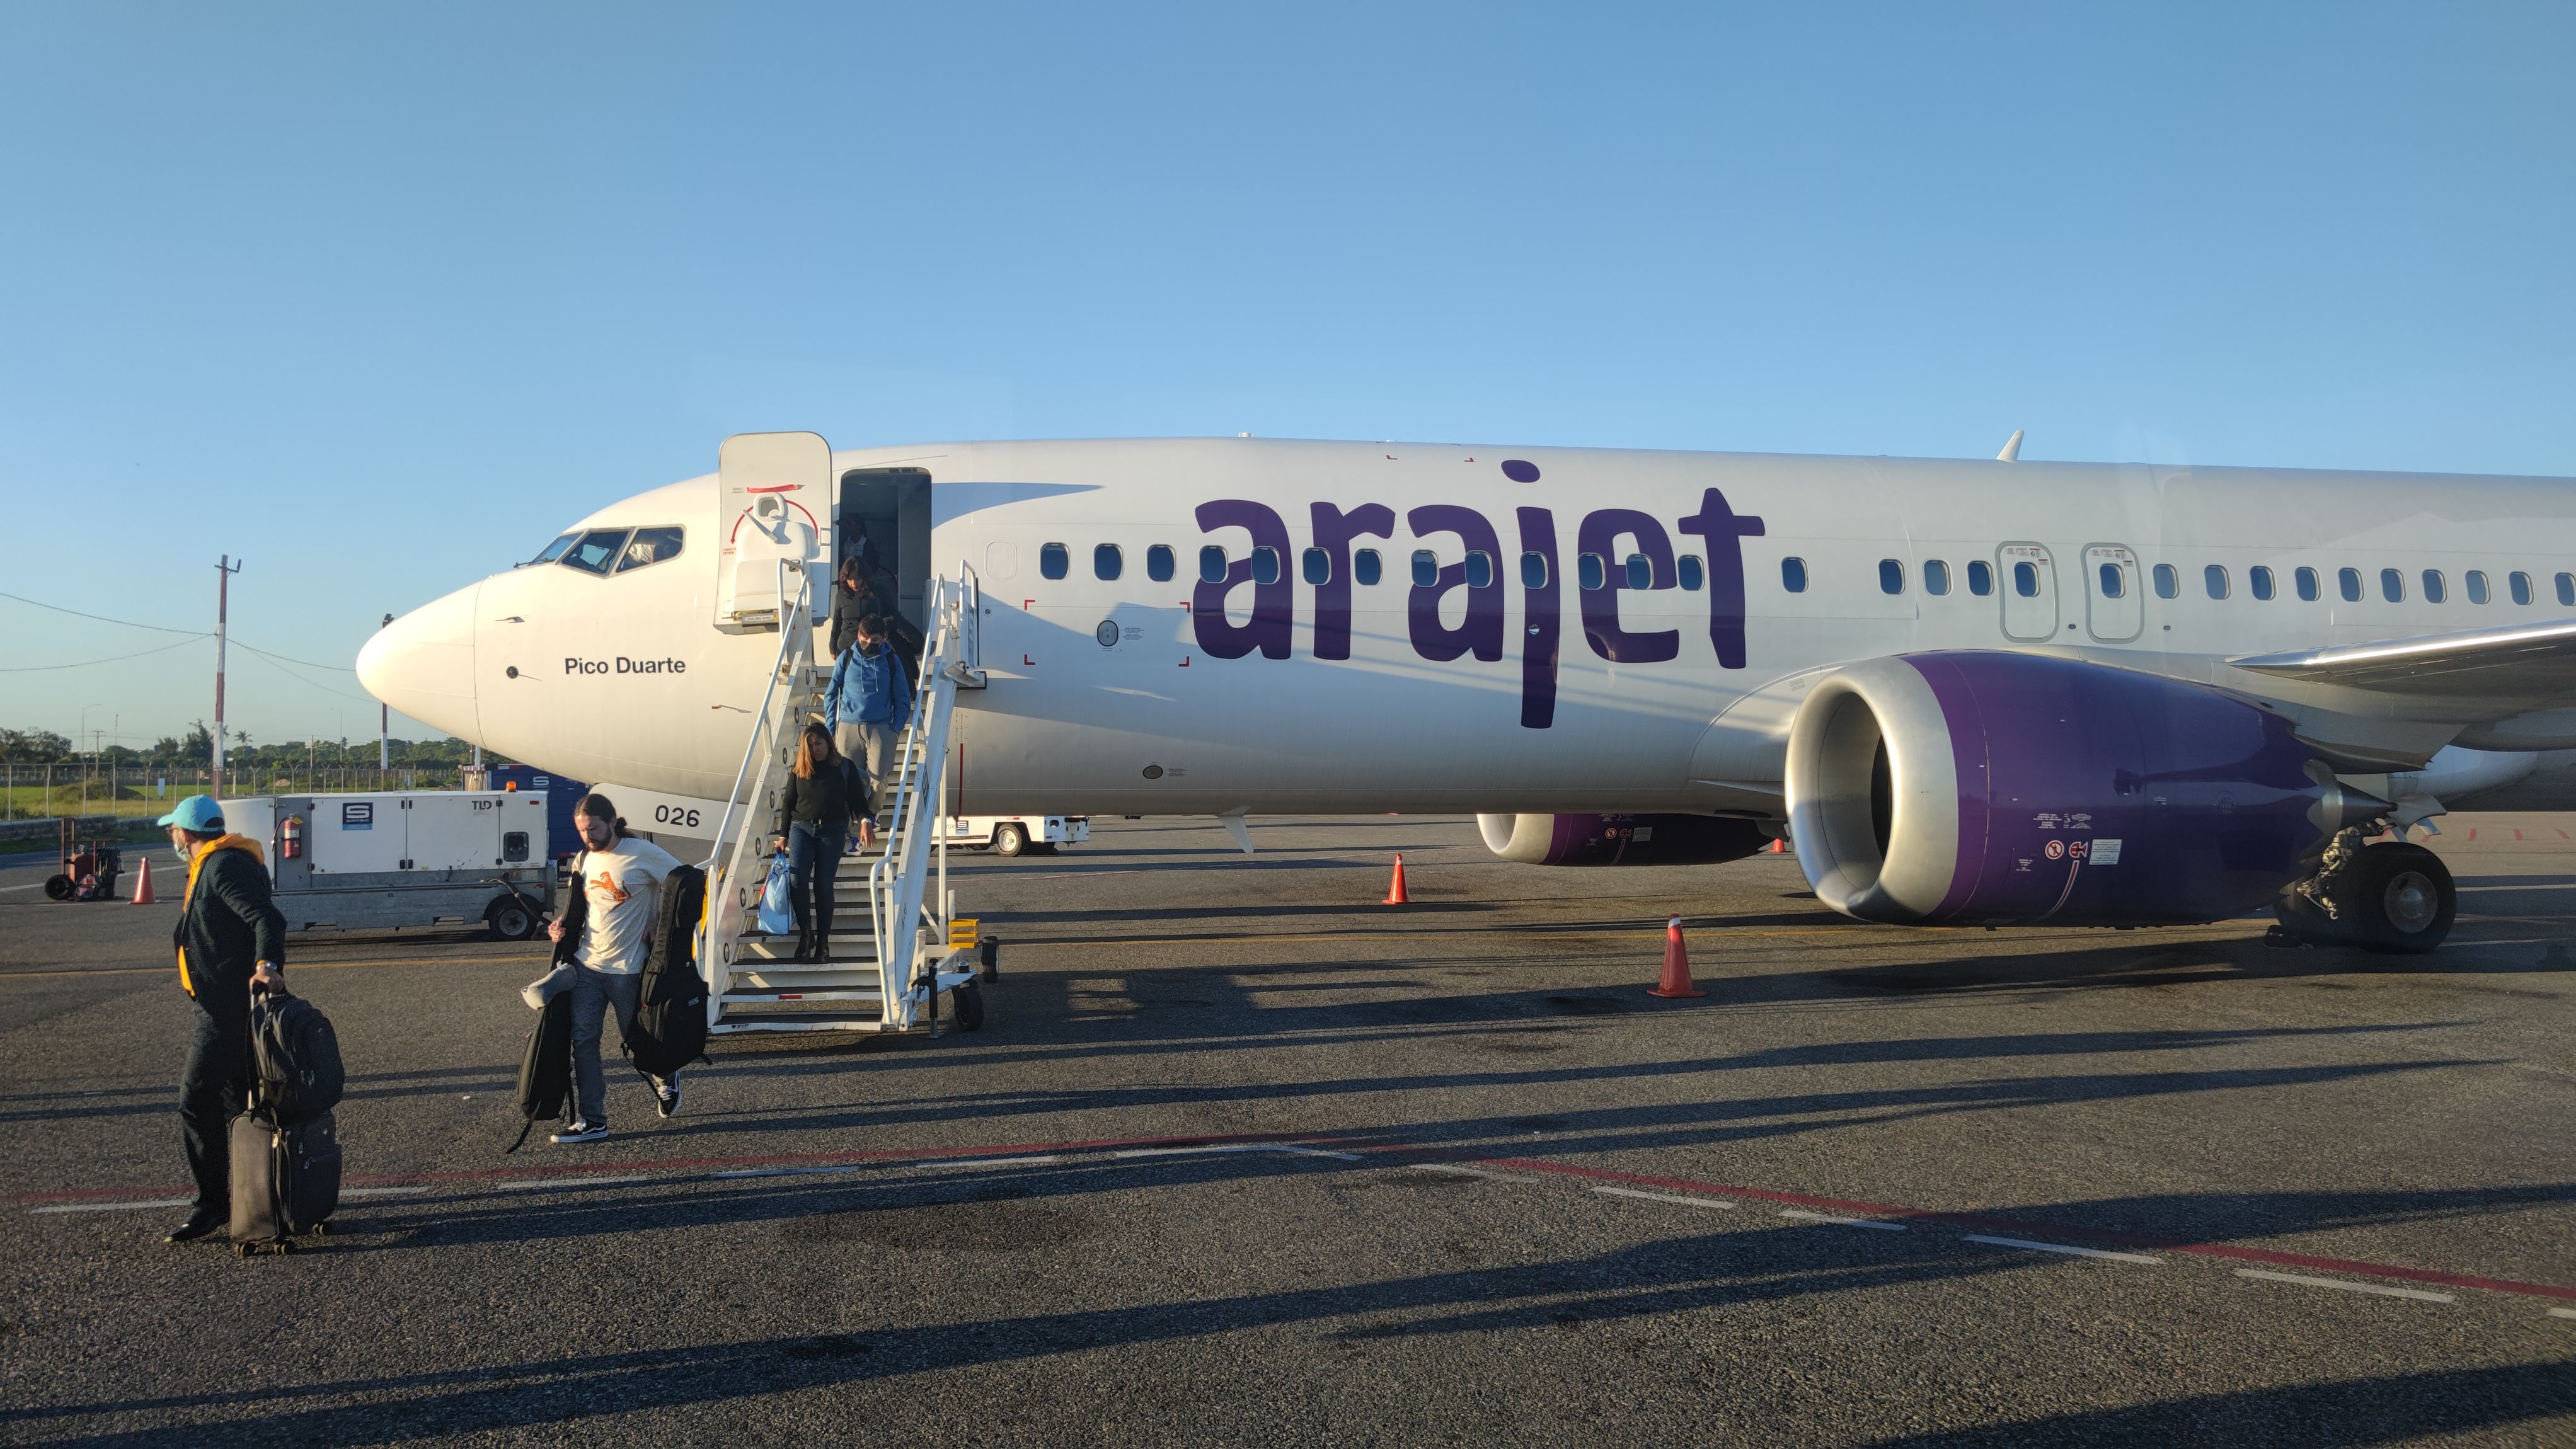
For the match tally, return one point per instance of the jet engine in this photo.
(1990, 788)
(1620, 839)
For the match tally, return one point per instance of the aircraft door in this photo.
(884, 523)
(2113, 608)
(777, 507)
(2028, 583)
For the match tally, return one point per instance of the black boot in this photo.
(823, 938)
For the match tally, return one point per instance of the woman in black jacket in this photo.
(813, 826)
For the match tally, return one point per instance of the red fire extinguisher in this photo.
(293, 837)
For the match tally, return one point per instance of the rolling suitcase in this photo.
(286, 1180)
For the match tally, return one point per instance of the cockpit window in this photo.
(555, 549)
(649, 546)
(596, 551)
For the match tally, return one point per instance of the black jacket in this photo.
(827, 801)
(228, 926)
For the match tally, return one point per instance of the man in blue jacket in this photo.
(230, 937)
(869, 702)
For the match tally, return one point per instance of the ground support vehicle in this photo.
(405, 860)
(1014, 834)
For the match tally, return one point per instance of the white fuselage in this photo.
(627, 680)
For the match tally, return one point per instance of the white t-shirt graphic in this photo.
(624, 887)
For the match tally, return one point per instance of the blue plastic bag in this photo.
(777, 917)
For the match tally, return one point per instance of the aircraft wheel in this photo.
(2402, 898)
(1010, 838)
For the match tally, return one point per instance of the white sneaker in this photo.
(580, 1132)
(666, 1095)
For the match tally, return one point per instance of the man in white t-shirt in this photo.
(621, 891)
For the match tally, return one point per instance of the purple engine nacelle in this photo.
(1620, 839)
(1987, 788)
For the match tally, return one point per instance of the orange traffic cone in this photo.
(1677, 977)
(1395, 895)
(143, 885)
(1779, 846)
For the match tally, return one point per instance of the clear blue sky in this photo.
(377, 297)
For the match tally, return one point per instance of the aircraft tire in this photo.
(2402, 899)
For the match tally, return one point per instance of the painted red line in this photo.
(2106, 1237)
(574, 1172)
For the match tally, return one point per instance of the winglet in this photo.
(2012, 449)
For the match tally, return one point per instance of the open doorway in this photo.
(883, 520)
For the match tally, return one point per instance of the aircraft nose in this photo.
(423, 664)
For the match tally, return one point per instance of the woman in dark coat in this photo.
(813, 826)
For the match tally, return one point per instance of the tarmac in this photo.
(1243, 1156)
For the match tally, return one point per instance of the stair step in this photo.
(738, 998)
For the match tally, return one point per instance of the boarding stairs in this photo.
(894, 921)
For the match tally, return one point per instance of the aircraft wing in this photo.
(2515, 662)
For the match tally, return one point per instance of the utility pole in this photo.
(224, 572)
(384, 731)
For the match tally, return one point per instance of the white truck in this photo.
(404, 859)
(1014, 834)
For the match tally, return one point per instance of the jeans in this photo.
(871, 747)
(593, 992)
(814, 865)
(213, 1090)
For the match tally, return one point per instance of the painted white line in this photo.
(1234, 1147)
(2064, 1248)
(2562, 1312)
(1314, 1152)
(2379, 1288)
(1698, 1202)
(1457, 1171)
(988, 1162)
(1842, 1222)
(461, 1189)
(113, 1207)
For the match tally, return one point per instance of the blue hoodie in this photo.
(868, 689)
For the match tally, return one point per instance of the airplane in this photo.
(1967, 692)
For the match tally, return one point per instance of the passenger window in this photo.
(2307, 581)
(1590, 573)
(1054, 560)
(2436, 589)
(2113, 584)
(2214, 579)
(1533, 570)
(2258, 581)
(1480, 569)
(1936, 576)
(1426, 568)
(1891, 576)
(2567, 588)
(2348, 583)
(1158, 563)
(650, 546)
(1692, 574)
(2477, 582)
(1106, 561)
(2026, 579)
(2168, 581)
(554, 550)
(1319, 567)
(2392, 586)
(1265, 565)
(1641, 574)
(1981, 578)
(1365, 567)
(1793, 575)
(1212, 564)
(2520, 583)
(597, 551)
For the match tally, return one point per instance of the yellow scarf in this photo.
(188, 897)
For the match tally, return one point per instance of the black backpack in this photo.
(670, 1028)
(295, 1057)
(545, 1073)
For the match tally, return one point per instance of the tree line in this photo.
(195, 748)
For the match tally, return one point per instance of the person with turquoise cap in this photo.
(230, 937)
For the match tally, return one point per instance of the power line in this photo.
(307, 663)
(271, 661)
(86, 663)
(102, 618)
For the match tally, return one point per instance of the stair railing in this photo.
(902, 906)
(739, 832)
